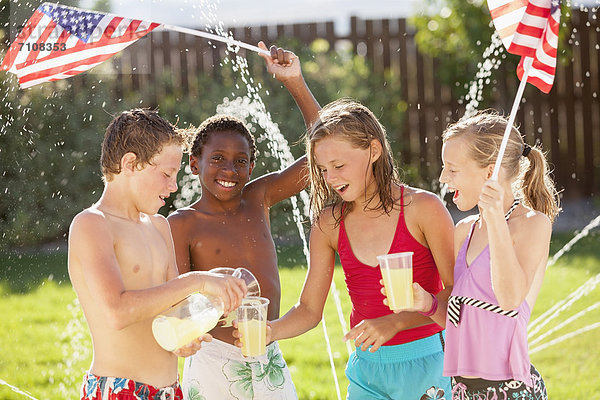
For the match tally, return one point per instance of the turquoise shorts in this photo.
(409, 371)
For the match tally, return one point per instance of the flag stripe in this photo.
(68, 60)
(32, 81)
(535, 35)
(58, 42)
(59, 33)
(502, 22)
(30, 41)
(81, 46)
(23, 36)
(508, 8)
(530, 30)
(34, 51)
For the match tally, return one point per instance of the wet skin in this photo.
(229, 226)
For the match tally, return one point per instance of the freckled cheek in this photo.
(330, 176)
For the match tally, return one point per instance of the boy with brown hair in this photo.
(122, 263)
(229, 226)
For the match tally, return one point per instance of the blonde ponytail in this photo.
(537, 187)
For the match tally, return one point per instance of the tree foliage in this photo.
(456, 32)
(51, 134)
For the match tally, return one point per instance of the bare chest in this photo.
(241, 239)
(143, 256)
(370, 237)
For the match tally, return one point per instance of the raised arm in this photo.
(96, 276)
(285, 66)
(307, 313)
(518, 253)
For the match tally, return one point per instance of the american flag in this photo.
(58, 42)
(529, 28)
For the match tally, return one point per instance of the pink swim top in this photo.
(485, 344)
(363, 284)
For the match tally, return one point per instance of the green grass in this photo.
(45, 348)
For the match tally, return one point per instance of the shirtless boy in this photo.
(229, 226)
(122, 262)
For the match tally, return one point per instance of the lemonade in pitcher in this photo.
(187, 320)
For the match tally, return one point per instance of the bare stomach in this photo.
(134, 355)
(223, 334)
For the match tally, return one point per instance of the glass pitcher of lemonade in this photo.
(185, 321)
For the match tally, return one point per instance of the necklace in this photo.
(116, 215)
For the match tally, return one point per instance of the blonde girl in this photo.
(501, 256)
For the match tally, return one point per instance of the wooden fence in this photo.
(567, 121)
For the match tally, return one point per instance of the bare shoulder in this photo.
(426, 209)
(182, 218)
(256, 188)
(531, 224)
(181, 215)
(160, 222)
(423, 199)
(326, 224)
(462, 228)
(91, 219)
(89, 232)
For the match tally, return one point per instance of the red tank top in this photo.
(363, 280)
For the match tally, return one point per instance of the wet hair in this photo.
(349, 120)
(140, 131)
(221, 123)
(527, 170)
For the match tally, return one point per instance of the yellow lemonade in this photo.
(229, 319)
(171, 333)
(254, 337)
(398, 286)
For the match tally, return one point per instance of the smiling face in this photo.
(224, 165)
(345, 168)
(154, 182)
(462, 174)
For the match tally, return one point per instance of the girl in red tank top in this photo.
(361, 211)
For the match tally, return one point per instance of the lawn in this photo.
(44, 344)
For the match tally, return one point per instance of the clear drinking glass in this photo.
(252, 323)
(397, 273)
